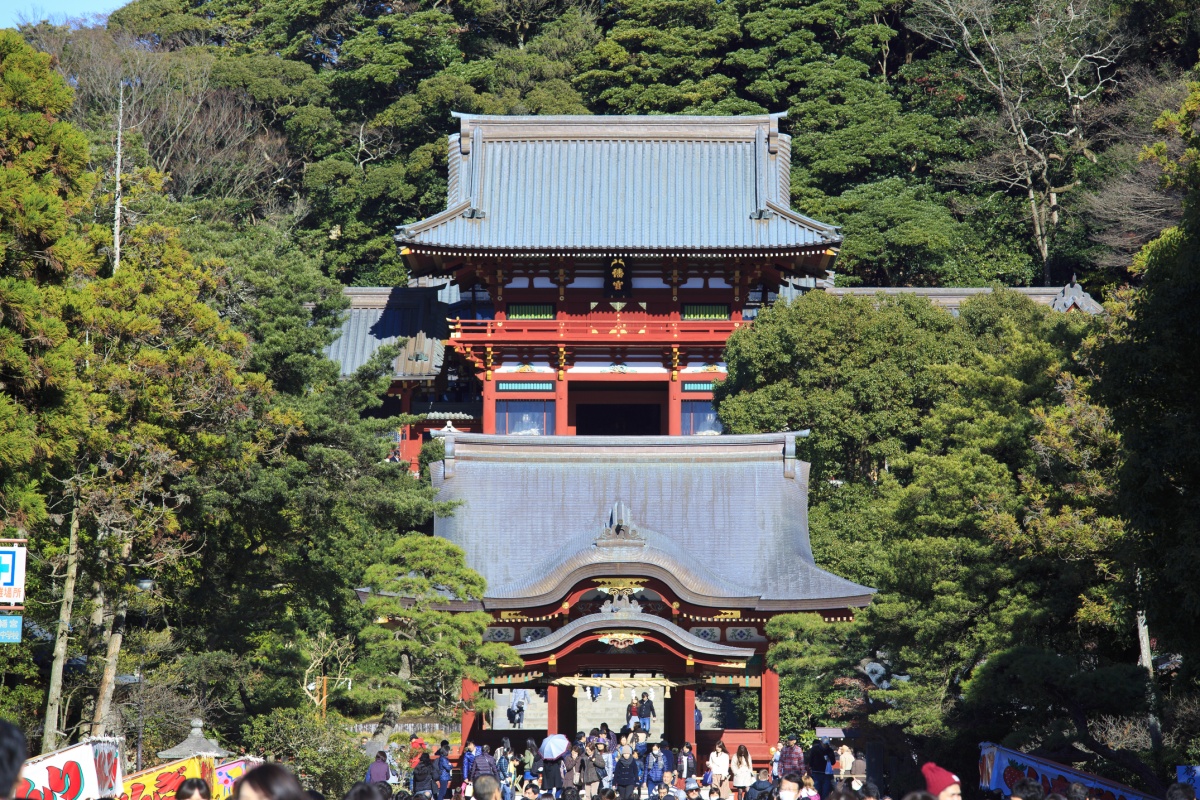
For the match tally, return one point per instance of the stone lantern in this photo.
(194, 745)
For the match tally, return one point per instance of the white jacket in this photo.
(719, 764)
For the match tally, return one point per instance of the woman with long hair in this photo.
(718, 765)
(743, 772)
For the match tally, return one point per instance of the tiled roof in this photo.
(620, 184)
(1071, 297)
(637, 622)
(379, 316)
(720, 519)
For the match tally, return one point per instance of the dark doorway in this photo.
(618, 419)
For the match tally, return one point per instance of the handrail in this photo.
(591, 327)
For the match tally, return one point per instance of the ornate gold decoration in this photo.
(512, 616)
(674, 362)
(710, 368)
(620, 587)
(487, 361)
(620, 639)
(728, 613)
(562, 362)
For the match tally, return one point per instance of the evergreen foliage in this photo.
(1019, 486)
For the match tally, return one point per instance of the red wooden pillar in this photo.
(489, 406)
(551, 710)
(770, 706)
(469, 690)
(560, 408)
(689, 720)
(675, 412)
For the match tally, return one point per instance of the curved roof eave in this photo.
(635, 621)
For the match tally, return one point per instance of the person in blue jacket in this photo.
(444, 770)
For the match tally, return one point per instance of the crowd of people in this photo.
(634, 765)
(598, 766)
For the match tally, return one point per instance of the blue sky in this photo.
(13, 11)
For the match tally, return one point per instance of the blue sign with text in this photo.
(10, 629)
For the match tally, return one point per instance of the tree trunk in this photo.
(108, 680)
(117, 189)
(1146, 662)
(66, 606)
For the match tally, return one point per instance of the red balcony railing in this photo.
(592, 329)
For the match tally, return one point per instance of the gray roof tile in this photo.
(719, 518)
(381, 316)
(619, 184)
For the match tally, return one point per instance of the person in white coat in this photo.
(718, 765)
(742, 770)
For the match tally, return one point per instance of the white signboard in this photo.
(12, 574)
(86, 771)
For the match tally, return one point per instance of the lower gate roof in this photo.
(723, 520)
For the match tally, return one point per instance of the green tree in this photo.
(858, 371)
(1149, 379)
(418, 648)
(321, 751)
(46, 180)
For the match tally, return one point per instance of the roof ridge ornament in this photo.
(761, 166)
(620, 531)
(476, 173)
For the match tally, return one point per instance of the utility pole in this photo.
(324, 695)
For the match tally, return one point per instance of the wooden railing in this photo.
(592, 329)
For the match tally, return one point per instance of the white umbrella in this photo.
(554, 746)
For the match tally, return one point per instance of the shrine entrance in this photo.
(617, 408)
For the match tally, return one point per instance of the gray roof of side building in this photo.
(380, 316)
(721, 519)
(1071, 297)
(620, 184)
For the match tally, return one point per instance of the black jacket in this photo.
(423, 778)
(625, 773)
(646, 708)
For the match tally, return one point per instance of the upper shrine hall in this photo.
(617, 255)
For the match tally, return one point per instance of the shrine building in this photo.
(563, 329)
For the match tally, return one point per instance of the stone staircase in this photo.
(608, 707)
(536, 714)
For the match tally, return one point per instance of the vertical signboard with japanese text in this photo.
(12, 574)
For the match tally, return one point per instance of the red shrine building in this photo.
(563, 331)
(618, 254)
(623, 565)
(624, 550)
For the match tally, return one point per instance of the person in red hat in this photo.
(941, 783)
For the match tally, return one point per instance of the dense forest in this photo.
(188, 185)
